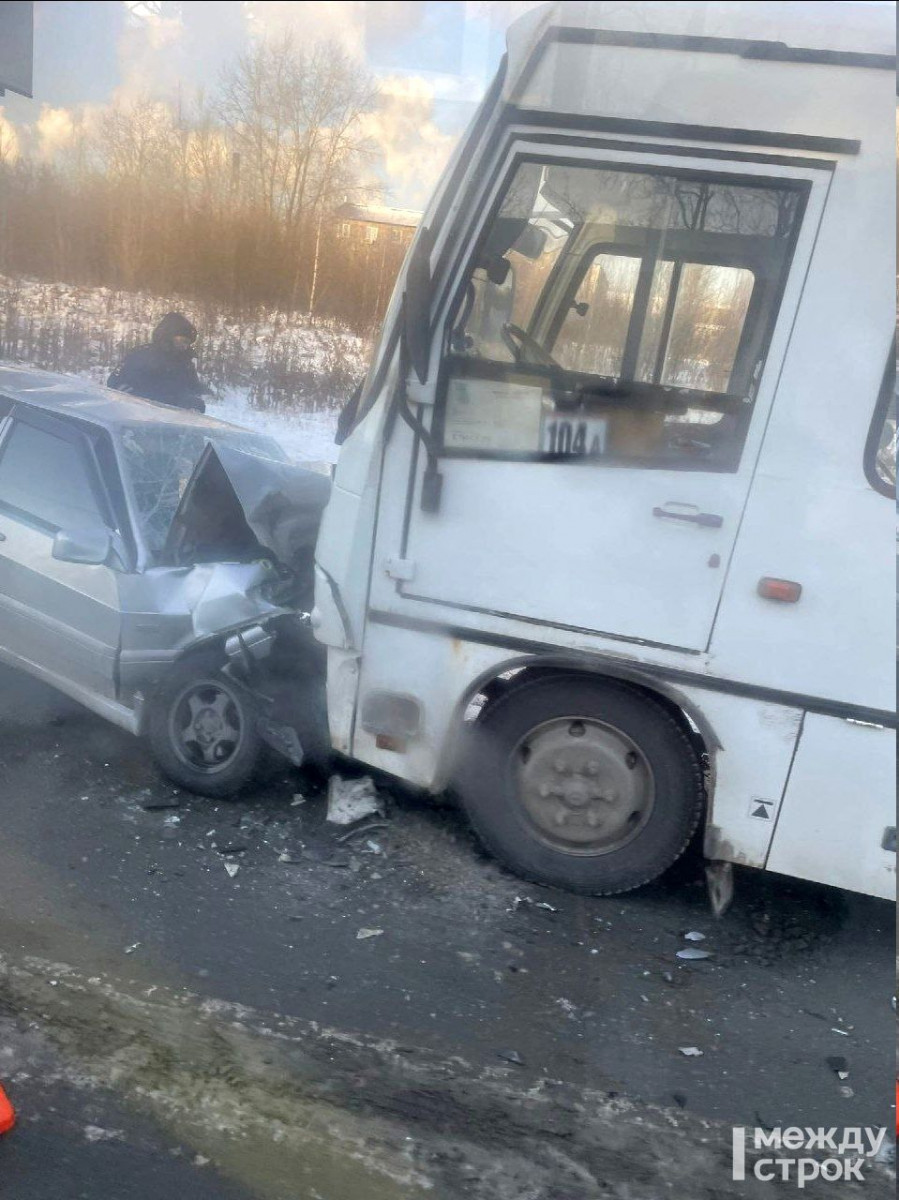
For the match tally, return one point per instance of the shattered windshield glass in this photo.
(158, 462)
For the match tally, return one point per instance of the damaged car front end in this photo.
(166, 574)
(257, 519)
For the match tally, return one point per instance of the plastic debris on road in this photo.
(694, 936)
(361, 828)
(690, 1051)
(511, 1056)
(368, 933)
(232, 868)
(350, 800)
(691, 954)
(521, 901)
(838, 1065)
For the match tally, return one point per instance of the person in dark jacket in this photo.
(164, 369)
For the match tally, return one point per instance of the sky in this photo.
(432, 61)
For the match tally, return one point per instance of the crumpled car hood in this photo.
(227, 595)
(236, 503)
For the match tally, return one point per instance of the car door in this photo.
(609, 358)
(58, 619)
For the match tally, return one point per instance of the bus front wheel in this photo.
(585, 784)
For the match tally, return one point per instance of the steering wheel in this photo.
(521, 343)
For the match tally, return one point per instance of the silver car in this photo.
(150, 558)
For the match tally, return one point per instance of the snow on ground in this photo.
(270, 371)
(306, 436)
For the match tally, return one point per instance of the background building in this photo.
(372, 223)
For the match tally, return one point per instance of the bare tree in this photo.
(343, 97)
(228, 197)
(295, 117)
(138, 147)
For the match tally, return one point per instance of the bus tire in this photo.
(588, 785)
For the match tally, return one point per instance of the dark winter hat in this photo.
(173, 324)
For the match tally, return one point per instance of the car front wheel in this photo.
(203, 731)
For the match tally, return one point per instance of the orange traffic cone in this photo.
(7, 1113)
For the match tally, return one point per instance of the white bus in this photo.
(611, 544)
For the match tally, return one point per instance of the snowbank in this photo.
(269, 370)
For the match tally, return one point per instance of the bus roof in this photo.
(838, 28)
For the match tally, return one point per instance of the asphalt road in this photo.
(469, 964)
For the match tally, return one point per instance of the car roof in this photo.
(70, 396)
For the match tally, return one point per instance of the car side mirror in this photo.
(88, 546)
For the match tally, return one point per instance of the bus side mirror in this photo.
(417, 305)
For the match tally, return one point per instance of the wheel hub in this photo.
(584, 786)
(207, 727)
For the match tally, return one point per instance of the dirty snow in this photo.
(306, 436)
(350, 800)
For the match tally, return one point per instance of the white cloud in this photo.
(150, 56)
(413, 149)
(167, 54)
(340, 21)
(9, 140)
(56, 131)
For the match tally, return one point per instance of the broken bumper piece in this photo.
(248, 651)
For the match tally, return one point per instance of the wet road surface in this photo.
(469, 964)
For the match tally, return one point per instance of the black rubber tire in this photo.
(220, 781)
(486, 787)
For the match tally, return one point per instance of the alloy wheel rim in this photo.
(206, 727)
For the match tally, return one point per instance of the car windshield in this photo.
(159, 460)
